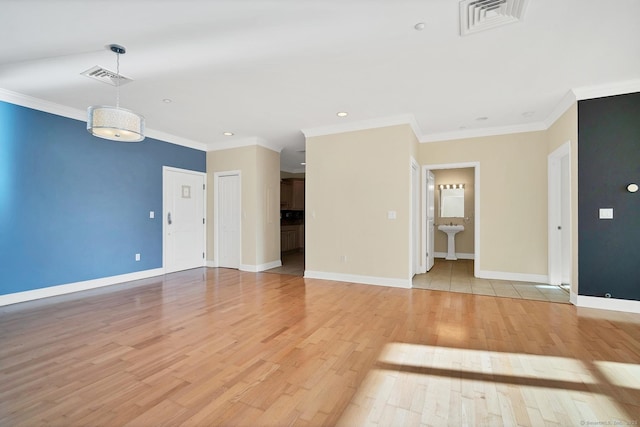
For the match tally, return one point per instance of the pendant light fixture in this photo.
(115, 123)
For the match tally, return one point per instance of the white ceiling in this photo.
(268, 68)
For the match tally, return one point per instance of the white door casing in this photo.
(416, 266)
(430, 224)
(227, 244)
(184, 213)
(476, 206)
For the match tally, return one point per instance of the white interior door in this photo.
(431, 186)
(229, 221)
(565, 219)
(184, 214)
(559, 190)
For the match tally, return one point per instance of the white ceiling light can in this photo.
(342, 114)
(115, 123)
(632, 188)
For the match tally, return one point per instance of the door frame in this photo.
(556, 193)
(216, 217)
(166, 169)
(416, 264)
(476, 207)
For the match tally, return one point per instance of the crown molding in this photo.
(477, 133)
(42, 105)
(406, 119)
(565, 103)
(244, 142)
(607, 89)
(81, 115)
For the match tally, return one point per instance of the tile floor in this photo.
(457, 276)
(454, 276)
(292, 263)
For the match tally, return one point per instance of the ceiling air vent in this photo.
(480, 15)
(105, 76)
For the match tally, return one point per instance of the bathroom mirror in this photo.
(452, 201)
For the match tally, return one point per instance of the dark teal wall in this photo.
(608, 160)
(74, 207)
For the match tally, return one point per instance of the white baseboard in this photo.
(260, 267)
(68, 288)
(355, 278)
(458, 255)
(630, 306)
(517, 277)
(573, 298)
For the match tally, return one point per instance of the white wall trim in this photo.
(406, 119)
(516, 277)
(76, 114)
(573, 298)
(630, 306)
(244, 142)
(355, 278)
(460, 255)
(476, 133)
(261, 267)
(565, 103)
(607, 89)
(68, 288)
(212, 263)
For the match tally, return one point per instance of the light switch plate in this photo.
(152, 214)
(391, 215)
(606, 213)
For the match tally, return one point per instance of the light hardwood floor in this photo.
(222, 347)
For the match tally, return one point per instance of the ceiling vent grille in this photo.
(480, 15)
(105, 76)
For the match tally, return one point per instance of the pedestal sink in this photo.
(451, 231)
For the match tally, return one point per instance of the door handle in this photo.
(169, 218)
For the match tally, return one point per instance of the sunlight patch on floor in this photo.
(428, 385)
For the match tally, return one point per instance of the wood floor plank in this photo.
(223, 347)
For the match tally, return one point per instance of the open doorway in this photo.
(470, 218)
(292, 221)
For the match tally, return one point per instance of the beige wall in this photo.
(260, 180)
(464, 239)
(352, 180)
(268, 175)
(565, 129)
(513, 197)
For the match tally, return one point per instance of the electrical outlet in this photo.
(137, 257)
(343, 258)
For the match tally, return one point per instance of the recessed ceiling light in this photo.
(227, 133)
(303, 163)
(167, 101)
(482, 119)
(342, 114)
(419, 26)
(528, 113)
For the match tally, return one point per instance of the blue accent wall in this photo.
(609, 160)
(74, 207)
